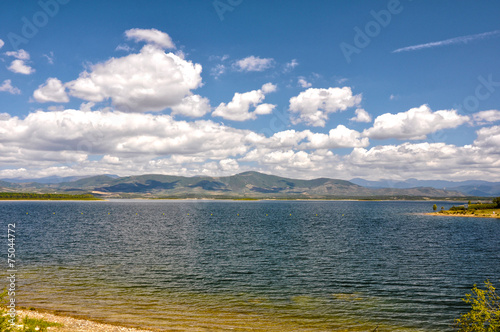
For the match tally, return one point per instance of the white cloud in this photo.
(21, 54)
(20, 67)
(238, 109)
(218, 70)
(49, 57)
(485, 117)
(489, 137)
(340, 137)
(1, 43)
(229, 165)
(289, 66)
(151, 36)
(74, 134)
(263, 109)
(151, 80)
(7, 87)
(457, 40)
(253, 63)
(269, 87)
(124, 47)
(414, 124)
(424, 160)
(51, 91)
(192, 106)
(303, 83)
(67, 143)
(313, 105)
(283, 139)
(361, 116)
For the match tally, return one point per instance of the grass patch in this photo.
(7, 324)
(36, 324)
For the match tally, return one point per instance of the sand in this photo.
(71, 324)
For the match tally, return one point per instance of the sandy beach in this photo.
(70, 324)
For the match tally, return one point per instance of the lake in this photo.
(254, 265)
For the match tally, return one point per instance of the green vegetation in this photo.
(434, 207)
(26, 325)
(35, 196)
(496, 201)
(477, 209)
(484, 315)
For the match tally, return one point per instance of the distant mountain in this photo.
(6, 184)
(243, 185)
(469, 188)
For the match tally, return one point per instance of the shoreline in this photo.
(74, 324)
(461, 215)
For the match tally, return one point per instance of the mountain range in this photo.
(246, 185)
(468, 188)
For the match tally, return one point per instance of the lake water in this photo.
(260, 266)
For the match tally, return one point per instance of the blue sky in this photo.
(341, 89)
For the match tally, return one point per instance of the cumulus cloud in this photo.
(340, 137)
(1, 43)
(150, 36)
(423, 160)
(263, 109)
(489, 137)
(52, 90)
(7, 87)
(238, 109)
(485, 117)
(303, 83)
(361, 116)
(79, 134)
(229, 165)
(414, 124)
(85, 142)
(19, 65)
(21, 54)
(313, 105)
(192, 106)
(151, 80)
(253, 63)
(269, 87)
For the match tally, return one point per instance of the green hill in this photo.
(243, 185)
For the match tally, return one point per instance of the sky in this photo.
(303, 89)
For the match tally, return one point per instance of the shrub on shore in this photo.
(484, 315)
